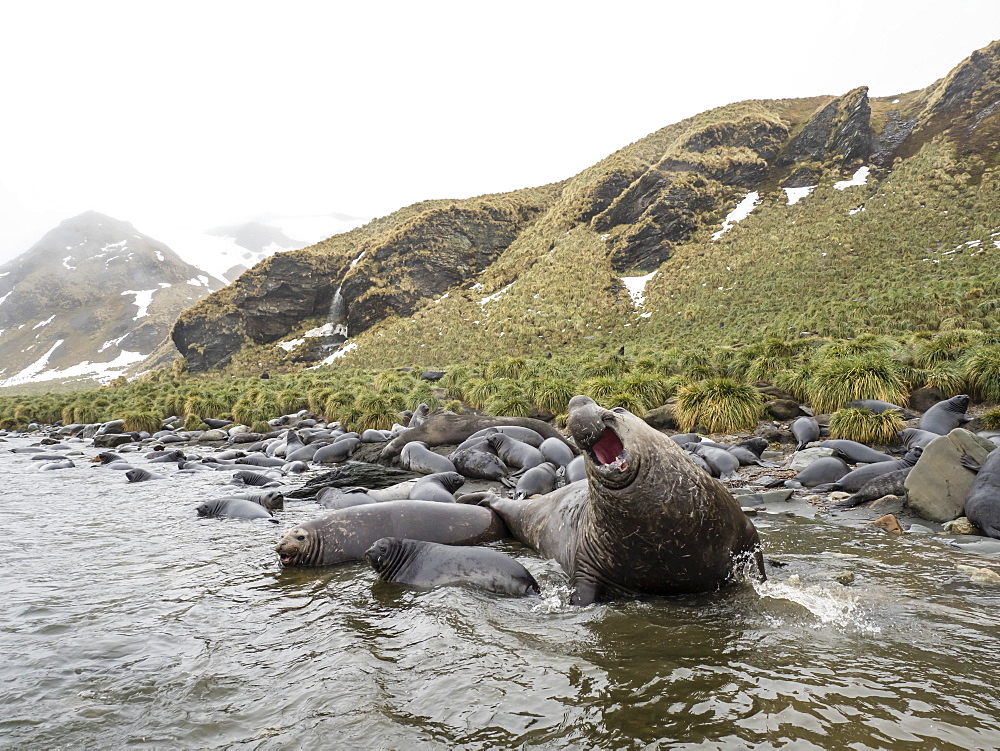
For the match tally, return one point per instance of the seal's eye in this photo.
(300, 537)
(618, 410)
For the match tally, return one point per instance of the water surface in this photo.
(129, 621)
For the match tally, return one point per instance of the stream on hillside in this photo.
(129, 621)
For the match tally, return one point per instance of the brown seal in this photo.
(648, 521)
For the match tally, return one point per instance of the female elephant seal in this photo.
(430, 564)
(982, 504)
(646, 522)
(346, 534)
(945, 416)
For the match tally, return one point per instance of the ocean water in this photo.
(127, 621)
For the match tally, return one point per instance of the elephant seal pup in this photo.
(805, 430)
(345, 535)
(524, 435)
(338, 498)
(340, 450)
(480, 465)
(515, 453)
(982, 504)
(853, 481)
(646, 522)
(430, 564)
(945, 416)
(556, 452)
(576, 470)
(537, 481)
(721, 463)
(446, 428)
(418, 416)
(417, 457)
(915, 438)
(855, 452)
(61, 464)
(439, 487)
(234, 508)
(138, 474)
(878, 487)
(270, 499)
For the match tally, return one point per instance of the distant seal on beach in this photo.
(138, 474)
(430, 564)
(417, 457)
(945, 416)
(805, 430)
(646, 522)
(234, 508)
(439, 487)
(824, 470)
(444, 428)
(890, 483)
(346, 535)
(982, 504)
(855, 452)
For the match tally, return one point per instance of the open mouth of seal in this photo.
(609, 451)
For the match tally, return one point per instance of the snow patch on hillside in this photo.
(797, 194)
(858, 178)
(142, 300)
(636, 286)
(742, 211)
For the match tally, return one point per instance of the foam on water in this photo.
(832, 604)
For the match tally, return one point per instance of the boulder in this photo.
(888, 523)
(938, 485)
(923, 399)
(661, 418)
(111, 440)
(783, 409)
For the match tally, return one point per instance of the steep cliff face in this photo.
(553, 264)
(385, 268)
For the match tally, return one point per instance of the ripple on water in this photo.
(130, 621)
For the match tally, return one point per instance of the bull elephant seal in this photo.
(945, 416)
(982, 504)
(447, 428)
(646, 522)
(430, 564)
(346, 534)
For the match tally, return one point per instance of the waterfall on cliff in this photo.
(338, 314)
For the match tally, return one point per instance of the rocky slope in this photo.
(90, 299)
(852, 215)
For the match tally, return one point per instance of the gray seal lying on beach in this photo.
(430, 564)
(346, 534)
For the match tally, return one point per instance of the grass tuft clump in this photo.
(864, 426)
(138, 422)
(982, 372)
(991, 419)
(718, 405)
(840, 380)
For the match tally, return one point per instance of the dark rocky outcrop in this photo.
(842, 128)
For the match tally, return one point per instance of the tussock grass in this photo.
(864, 426)
(718, 405)
(982, 372)
(991, 419)
(840, 380)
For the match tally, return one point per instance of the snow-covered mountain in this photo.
(93, 297)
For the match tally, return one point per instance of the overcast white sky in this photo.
(204, 113)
